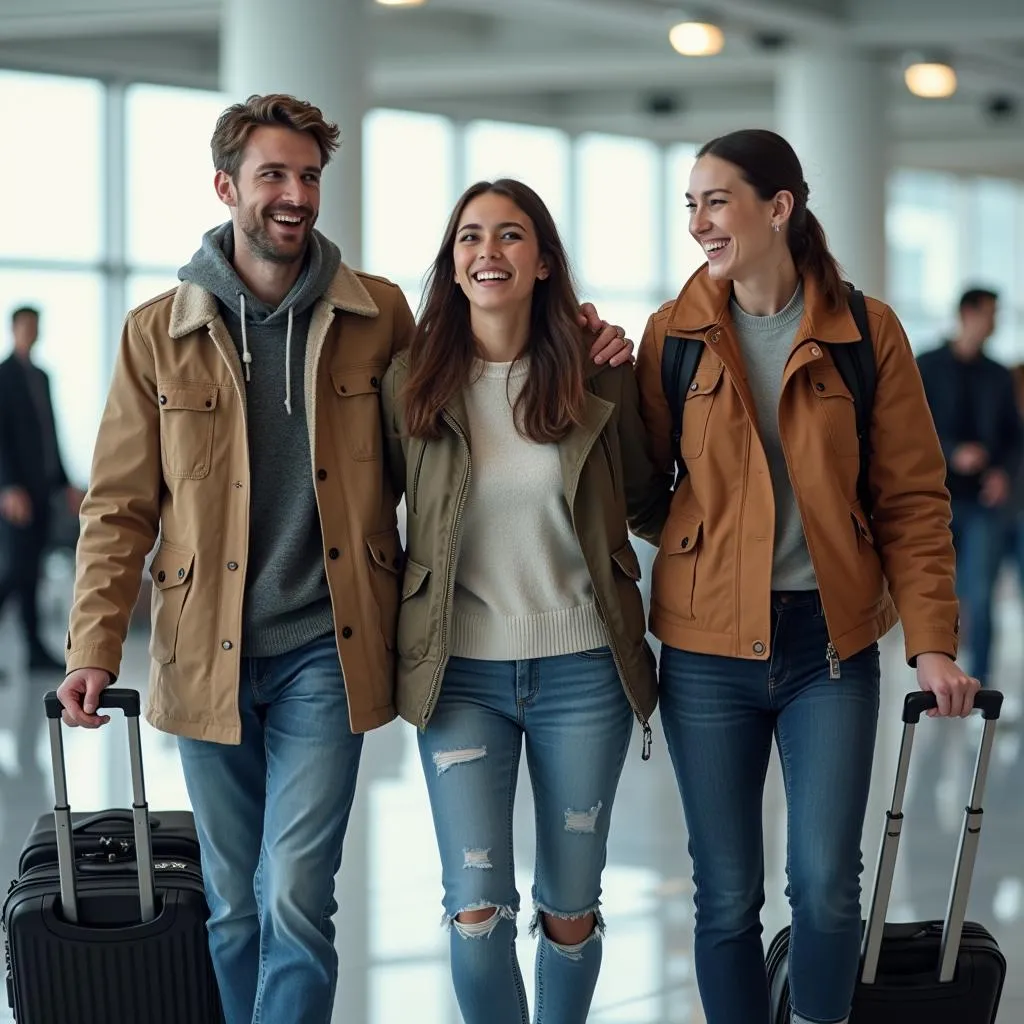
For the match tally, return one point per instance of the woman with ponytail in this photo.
(773, 582)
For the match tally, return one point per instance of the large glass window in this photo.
(53, 137)
(537, 156)
(170, 196)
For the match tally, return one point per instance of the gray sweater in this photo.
(765, 342)
(287, 602)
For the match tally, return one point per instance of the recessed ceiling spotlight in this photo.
(696, 39)
(930, 79)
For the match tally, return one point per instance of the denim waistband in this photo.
(796, 600)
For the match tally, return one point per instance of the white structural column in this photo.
(831, 107)
(313, 49)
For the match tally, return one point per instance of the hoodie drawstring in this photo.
(288, 364)
(246, 354)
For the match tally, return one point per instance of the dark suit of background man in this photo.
(975, 411)
(31, 472)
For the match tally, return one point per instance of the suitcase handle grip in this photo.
(988, 702)
(114, 697)
(112, 817)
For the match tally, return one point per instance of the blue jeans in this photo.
(719, 715)
(271, 815)
(577, 723)
(979, 536)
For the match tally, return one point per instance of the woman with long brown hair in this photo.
(521, 618)
(777, 573)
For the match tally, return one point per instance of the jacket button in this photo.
(209, 403)
(374, 383)
(333, 553)
(232, 566)
(685, 542)
(820, 386)
(321, 474)
(343, 389)
(758, 647)
(713, 336)
(161, 576)
(181, 574)
(227, 645)
(347, 632)
(694, 386)
(815, 351)
(163, 399)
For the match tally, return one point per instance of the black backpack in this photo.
(855, 363)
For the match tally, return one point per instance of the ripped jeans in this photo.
(577, 723)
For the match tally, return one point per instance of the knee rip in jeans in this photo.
(479, 929)
(584, 822)
(570, 952)
(445, 759)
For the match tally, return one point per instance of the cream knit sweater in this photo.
(522, 588)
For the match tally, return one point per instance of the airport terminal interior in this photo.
(107, 107)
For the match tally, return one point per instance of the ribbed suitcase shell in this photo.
(118, 972)
(906, 990)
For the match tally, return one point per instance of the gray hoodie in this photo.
(287, 603)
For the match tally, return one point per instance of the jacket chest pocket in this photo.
(357, 390)
(836, 404)
(697, 409)
(187, 416)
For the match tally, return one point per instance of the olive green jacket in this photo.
(607, 475)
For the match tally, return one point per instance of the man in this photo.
(31, 472)
(973, 404)
(243, 425)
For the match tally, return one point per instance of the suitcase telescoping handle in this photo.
(989, 703)
(128, 702)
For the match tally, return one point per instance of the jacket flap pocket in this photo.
(860, 521)
(386, 550)
(171, 566)
(187, 396)
(625, 558)
(705, 380)
(682, 535)
(415, 576)
(827, 382)
(357, 380)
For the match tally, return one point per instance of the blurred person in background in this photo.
(243, 428)
(31, 475)
(974, 406)
(773, 582)
(521, 620)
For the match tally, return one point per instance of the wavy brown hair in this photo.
(240, 120)
(443, 348)
(770, 165)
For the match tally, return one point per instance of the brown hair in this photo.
(239, 121)
(770, 165)
(443, 348)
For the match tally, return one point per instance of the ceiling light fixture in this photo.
(930, 79)
(401, 3)
(696, 39)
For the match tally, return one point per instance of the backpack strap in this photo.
(856, 365)
(679, 359)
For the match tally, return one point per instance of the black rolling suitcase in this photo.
(925, 972)
(106, 922)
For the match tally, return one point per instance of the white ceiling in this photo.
(593, 64)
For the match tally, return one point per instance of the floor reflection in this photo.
(394, 954)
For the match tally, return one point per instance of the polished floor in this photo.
(394, 954)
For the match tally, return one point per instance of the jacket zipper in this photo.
(416, 474)
(449, 579)
(831, 655)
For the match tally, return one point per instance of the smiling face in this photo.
(731, 222)
(496, 254)
(275, 197)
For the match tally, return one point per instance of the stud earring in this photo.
(775, 227)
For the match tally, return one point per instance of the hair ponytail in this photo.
(811, 254)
